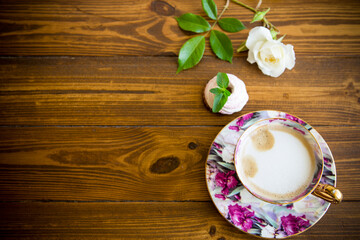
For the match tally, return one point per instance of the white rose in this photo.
(272, 56)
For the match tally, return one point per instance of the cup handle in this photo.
(328, 193)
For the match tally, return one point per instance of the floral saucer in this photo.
(241, 208)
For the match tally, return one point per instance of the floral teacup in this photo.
(279, 161)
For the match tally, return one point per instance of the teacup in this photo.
(279, 161)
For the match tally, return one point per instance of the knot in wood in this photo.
(192, 145)
(212, 231)
(162, 8)
(165, 165)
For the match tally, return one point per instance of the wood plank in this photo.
(131, 163)
(184, 220)
(146, 91)
(144, 27)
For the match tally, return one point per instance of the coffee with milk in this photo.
(276, 161)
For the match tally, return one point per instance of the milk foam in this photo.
(283, 168)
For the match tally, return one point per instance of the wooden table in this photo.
(100, 139)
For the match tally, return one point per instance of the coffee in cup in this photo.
(278, 160)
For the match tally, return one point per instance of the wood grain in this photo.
(100, 139)
(121, 90)
(187, 220)
(131, 163)
(146, 27)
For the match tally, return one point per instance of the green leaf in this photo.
(191, 53)
(216, 91)
(194, 23)
(254, 231)
(268, 218)
(231, 24)
(227, 165)
(242, 47)
(331, 177)
(227, 92)
(219, 102)
(216, 106)
(210, 8)
(222, 80)
(235, 191)
(282, 37)
(273, 33)
(258, 16)
(221, 45)
(223, 101)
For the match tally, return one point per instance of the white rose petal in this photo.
(290, 63)
(271, 56)
(258, 34)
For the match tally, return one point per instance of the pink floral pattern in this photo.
(300, 131)
(295, 119)
(241, 121)
(244, 211)
(241, 216)
(226, 180)
(293, 225)
(221, 196)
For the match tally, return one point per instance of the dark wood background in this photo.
(100, 139)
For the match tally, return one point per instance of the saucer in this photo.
(248, 213)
